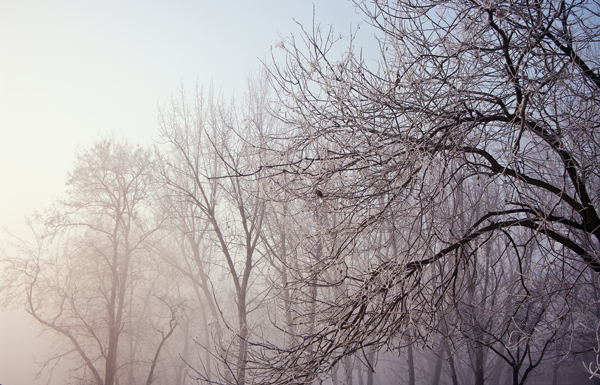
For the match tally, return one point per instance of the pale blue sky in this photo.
(70, 70)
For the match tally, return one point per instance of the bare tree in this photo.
(499, 96)
(87, 278)
(207, 148)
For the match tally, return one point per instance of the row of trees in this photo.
(343, 221)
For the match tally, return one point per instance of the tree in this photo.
(87, 277)
(501, 96)
(205, 149)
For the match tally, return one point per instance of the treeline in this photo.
(430, 219)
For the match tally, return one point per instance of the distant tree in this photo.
(208, 150)
(88, 276)
(499, 96)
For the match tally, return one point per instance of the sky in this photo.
(73, 70)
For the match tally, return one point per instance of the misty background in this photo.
(71, 70)
(285, 193)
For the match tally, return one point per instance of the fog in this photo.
(71, 71)
(23, 346)
(296, 193)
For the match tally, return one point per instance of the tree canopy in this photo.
(478, 128)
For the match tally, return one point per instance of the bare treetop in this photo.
(479, 124)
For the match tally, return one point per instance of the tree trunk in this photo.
(334, 379)
(515, 374)
(359, 373)
(370, 373)
(411, 366)
(437, 372)
(243, 349)
(184, 355)
(479, 369)
(348, 370)
(452, 367)
(117, 302)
